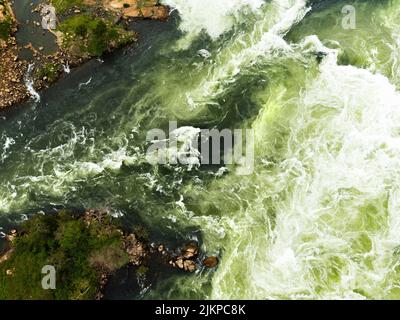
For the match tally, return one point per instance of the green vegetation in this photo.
(6, 22)
(85, 35)
(79, 251)
(64, 5)
(5, 29)
(49, 70)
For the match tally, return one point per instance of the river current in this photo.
(319, 218)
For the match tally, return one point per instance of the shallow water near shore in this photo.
(30, 33)
(318, 218)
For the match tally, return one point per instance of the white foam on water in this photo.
(180, 149)
(65, 168)
(335, 198)
(213, 17)
(84, 84)
(8, 142)
(66, 68)
(204, 53)
(29, 84)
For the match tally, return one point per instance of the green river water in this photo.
(320, 215)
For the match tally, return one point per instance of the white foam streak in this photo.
(67, 68)
(8, 142)
(30, 85)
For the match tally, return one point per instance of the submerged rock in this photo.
(210, 262)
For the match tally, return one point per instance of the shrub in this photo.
(81, 30)
(49, 70)
(5, 29)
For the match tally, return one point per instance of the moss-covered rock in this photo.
(81, 248)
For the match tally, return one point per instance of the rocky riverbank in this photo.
(12, 70)
(82, 29)
(85, 250)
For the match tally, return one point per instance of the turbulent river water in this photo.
(320, 215)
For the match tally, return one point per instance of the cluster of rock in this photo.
(139, 250)
(12, 72)
(136, 249)
(147, 9)
(188, 259)
(6, 11)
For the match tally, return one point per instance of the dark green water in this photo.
(318, 218)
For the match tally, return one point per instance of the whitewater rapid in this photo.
(333, 198)
(322, 221)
